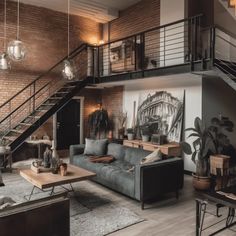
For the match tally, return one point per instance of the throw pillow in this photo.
(152, 157)
(95, 147)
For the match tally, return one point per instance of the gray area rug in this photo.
(92, 213)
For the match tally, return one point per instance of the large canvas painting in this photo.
(163, 114)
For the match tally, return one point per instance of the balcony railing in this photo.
(168, 45)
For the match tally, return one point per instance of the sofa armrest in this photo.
(157, 178)
(76, 149)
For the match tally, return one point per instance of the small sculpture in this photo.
(47, 157)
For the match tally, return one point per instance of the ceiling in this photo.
(99, 10)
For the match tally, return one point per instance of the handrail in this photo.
(152, 29)
(226, 41)
(225, 31)
(27, 100)
(45, 73)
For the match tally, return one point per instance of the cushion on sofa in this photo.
(95, 147)
(152, 157)
(116, 150)
(135, 155)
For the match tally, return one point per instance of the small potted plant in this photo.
(145, 132)
(200, 153)
(130, 133)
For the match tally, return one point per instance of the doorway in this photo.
(69, 125)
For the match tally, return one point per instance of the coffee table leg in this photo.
(32, 191)
(52, 191)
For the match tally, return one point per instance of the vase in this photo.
(201, 182)
(145, 138)
(130, 136)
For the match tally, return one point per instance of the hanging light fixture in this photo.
(16, 48)
(68, 71)
(4, 62)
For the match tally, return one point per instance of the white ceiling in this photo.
(98, 10)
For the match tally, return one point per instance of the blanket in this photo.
(101, 159)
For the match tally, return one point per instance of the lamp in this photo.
(4, 62)
(16, 48)
(68, 71)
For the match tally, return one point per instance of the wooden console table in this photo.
(170, 149)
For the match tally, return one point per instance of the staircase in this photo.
(224, 60)
(31, 107)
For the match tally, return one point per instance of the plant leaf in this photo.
(186, 148)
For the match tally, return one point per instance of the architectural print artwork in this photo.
(163, 114)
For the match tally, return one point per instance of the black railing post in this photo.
(135, 53)
(98, 62)
(34, 91)
(142, 53)
(213, 43)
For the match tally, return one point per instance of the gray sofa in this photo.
(147, 181)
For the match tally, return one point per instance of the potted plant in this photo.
(130, 133)
(200, 153)
(145, 132)
(98, 122)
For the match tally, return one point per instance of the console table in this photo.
(170, 149)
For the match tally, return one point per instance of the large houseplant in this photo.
(200, 152)
(208, 140)
(98, 122)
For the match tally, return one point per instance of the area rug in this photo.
(91, 213)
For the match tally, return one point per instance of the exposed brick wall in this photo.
(137, 18)
(112, 101)
(44, 33)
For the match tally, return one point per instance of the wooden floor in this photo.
(165, 217)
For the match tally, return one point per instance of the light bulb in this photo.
(68, 72)
(16, 50)
(4, 62)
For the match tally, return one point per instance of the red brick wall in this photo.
(137, 18)
(44, 33)
(112, 101)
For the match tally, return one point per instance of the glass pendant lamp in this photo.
(4, 61)
(68, 71)
(16, 48)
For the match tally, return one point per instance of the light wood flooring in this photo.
(165, 217)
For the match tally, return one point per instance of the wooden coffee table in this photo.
(48, 180)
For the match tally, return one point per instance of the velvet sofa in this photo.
(146, 181)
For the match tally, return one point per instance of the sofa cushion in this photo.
(135, 155)
(116, 150)
(95, 147)
(152, 157)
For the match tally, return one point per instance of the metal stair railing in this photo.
(225, 51)
(28, 99)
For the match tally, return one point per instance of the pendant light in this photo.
(4, 62)
(16, 48)
(68, 71)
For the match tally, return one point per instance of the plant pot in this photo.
(201, 182)
(130, 136)
(145, 138)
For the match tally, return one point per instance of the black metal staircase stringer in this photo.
(19, 140)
